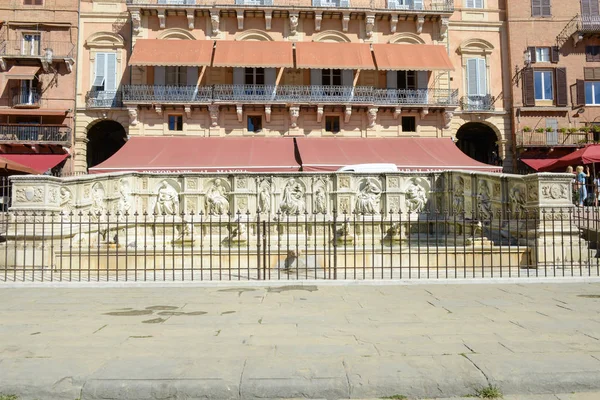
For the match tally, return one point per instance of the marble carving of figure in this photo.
(415, 198)
(517, 202)
(484, 205)
(293, 198)
(97, 207)
(458, 204)
(125, 198)
(320, 201)
(216, 199)
(367, 199)
(264, 200)
(66, 200)
(167, 200)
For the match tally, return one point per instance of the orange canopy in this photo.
(163, 52)
(24, 72)
(230, 53)
(412, 57)
(324, 55)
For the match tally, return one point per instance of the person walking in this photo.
(581, 183)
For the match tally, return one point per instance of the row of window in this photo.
(254, 123)
(542, 8)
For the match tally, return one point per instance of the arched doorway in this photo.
(104, 139)
(478, 141)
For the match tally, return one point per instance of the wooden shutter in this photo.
(192, 76)
(482, 77)
(554, 54)
(586, 7)
(528, 88)
(472, 77)
(160, 74)
(111, 72)
(392, 79)
(316, 77)
(562, 98)
(536, 8)
(238, 76)
(579, 93)
(594, 7)
(422, 79)
(532, 55)
(100, 68)
(347, 77)
(591, 74)
(545, 8)
(270, 76)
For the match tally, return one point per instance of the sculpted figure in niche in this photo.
(484, 204)
(167, 200)
(216, 198)
(367, 199)
(66, 200)
(320, 201)
(458, 204)
(264, 199)
(415, 198)
(292, 201)
(97, 208)
(517, 202)
(125, 201)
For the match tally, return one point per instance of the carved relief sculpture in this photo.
(293, 24)
(216, 198)
(98, 208)
(136, 22)
(517, 202)
(484, 204)
(66, 200)
(133, 114)
(368, 197)
(125, 206)
(369, 25)
(416, 198)
(292, 201)
(320, 206)
(458, 202)
(264, 198)
(555, 191)
(294, 114)
(214, 21)
(167, 200)
(213, 111)
(372, 114)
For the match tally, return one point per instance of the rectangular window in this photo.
(409, 124)
(33, 2)
(476, 77)
(254, 76)
(592, 93)
(542, 54)
(105, 78)
(332, 123)
(473, 3)
(592, 53)
(30, 45)
(407, 79)
(176, 76)
(175, 122)
(543, 85)
(332, 77)
(540, 8)
(254, 123)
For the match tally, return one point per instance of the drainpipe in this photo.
(75, 86)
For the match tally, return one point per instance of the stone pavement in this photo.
(302, 341)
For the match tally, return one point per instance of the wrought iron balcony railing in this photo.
(26, 133)
(553, 138)
(26, 98)
(34, 49)
(578, 27)
(103, 99)
(307, 94)
(443, 6)
(477, 103)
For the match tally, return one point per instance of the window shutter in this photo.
(316, 77)
(270, 76)
(536, 8)
(159, 76)
(392, 79)
(554, 54)
(545, 8)
(482, 77)
(192, 76)
(417, 5)
(422, 79)
(347, 77)
(100, 69)
(238, 76)
(561, 87)
(532, 55)
(472, 77)
(528, 88)
(111, 72)
(585, 7)
(594, 7)
(579, 98)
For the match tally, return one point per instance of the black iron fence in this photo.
(246, 247)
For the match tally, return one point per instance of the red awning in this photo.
(37, 162)
(590, 154)
(164, 52)
(202, 154)
(8, 167)
(409, 154)
(538, 163)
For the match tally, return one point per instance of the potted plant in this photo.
(526, 129)
(549, 129)
(540, 130)
(573, 130)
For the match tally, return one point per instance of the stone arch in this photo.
(105, 39)
(481, 141)
(331, 36)
(255, 35)
(105, 137)
(176, 33)
(406, 38)
(475, 46)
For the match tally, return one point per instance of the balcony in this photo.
(22, 49)
(28, 134)
(542, 138)
(477, 103)
(103, 99)
(26, 98)
(288, 94)
(579, 28)
(411, 6)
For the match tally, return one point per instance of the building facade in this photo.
(38, 48)
(554, 60)
(357, 68)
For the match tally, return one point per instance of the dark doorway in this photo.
(478, 141)
(105, 139)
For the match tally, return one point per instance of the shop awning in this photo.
(324, 55)
(538, 163)
(414, 57)
(8, 167)
(33, 111)
(202, 154)
(163, 52)
(253, 54)
(23, 72)
(409, 154)
(39, 163)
